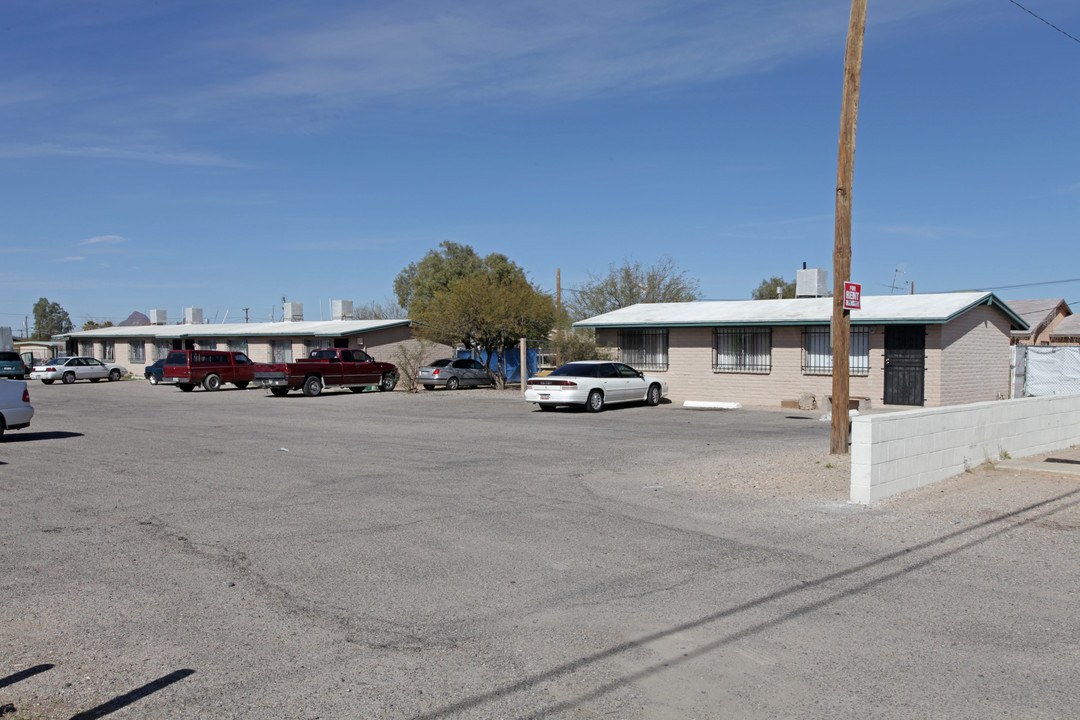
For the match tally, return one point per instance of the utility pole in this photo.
(845, 174)
(246, 314)
(558, 317)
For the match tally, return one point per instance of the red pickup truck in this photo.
(327, 367)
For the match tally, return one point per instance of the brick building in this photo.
(932, 350)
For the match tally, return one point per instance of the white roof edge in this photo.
(937, 308)
(317, 328)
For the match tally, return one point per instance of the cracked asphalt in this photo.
(462, 555)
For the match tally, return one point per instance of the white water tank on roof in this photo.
(341, 310)
(157, 317)
(813, 282)
(294, 311)
(193, 316)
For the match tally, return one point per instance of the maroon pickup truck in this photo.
(328, 367)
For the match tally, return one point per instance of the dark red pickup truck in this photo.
(327, 367)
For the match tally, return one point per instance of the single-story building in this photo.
(932, 350)
(138, 346)
(1042, 317)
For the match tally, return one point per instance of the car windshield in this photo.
(577, 370)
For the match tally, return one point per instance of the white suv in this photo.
(15, 407)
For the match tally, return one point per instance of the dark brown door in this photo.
(905, 364)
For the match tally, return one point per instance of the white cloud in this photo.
(104, 240)
(71, 258)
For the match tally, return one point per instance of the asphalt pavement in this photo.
(463, 555)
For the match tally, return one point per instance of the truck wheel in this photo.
(388, 382)
(279, 392)
(452, 383)
(68, 378)
(313, 386)
(154, 380)
(211, 382)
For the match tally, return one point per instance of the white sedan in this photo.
(69, 369)
(15, 408)
(594, 383)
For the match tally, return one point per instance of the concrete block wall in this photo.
(975, 357)
(896, 452)
(690, 375)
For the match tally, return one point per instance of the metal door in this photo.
(905, 364)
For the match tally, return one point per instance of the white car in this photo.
(15, 407)
(69, 369)
(594, 383)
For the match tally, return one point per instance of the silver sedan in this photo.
(452, 374)
(594, 384)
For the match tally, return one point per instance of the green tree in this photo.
(418, 283)
(767, 290)
(50, 319)
(629, 284)
(94, 324)
(488, 311)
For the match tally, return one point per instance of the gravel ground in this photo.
(446, 555)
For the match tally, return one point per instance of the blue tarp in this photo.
(513, 362)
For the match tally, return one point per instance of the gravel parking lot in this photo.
(463, 555)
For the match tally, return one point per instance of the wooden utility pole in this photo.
(845, 173)
(558, 317)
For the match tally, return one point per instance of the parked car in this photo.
(452, 374)
(154, 372)
(69, 369)
(209, 368)
(15, 407)
(12, 366)
(594, 384)
(327, 367)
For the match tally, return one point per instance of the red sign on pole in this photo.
(852, 296)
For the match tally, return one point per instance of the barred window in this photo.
(236, 345)
(162, 348)
(281, 351)
(312, 344)
(110, 351)
(136, 351)
(817, 351)
(645, 349)
(742, 350)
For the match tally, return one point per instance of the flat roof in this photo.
(316, 328)
(929, 309)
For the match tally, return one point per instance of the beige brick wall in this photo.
(690, 375)
(975, 357)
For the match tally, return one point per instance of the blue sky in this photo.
(225, 154)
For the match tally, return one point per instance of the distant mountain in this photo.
(134, 319)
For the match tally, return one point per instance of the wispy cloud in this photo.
(104, 240)
(118, 153)
(71, 258)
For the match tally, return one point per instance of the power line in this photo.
(1044, 20)
(1034, 284)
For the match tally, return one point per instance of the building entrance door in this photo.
(905, 364)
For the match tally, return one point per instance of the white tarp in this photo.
(1052, 370)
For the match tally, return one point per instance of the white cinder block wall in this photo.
(895, 452)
